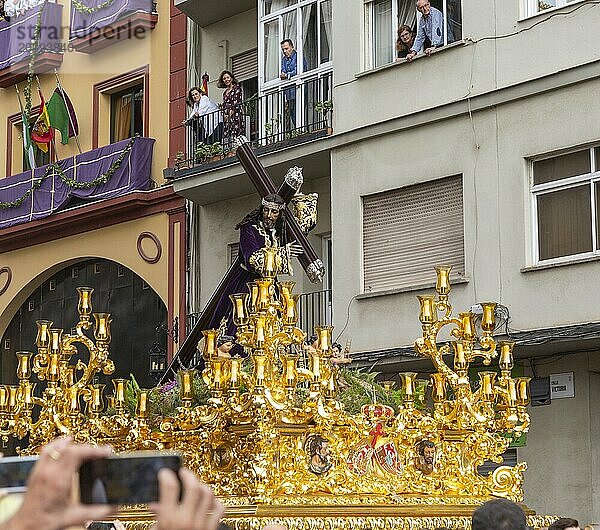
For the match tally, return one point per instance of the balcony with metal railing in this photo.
(293, 115)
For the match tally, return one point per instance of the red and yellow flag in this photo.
(41, 134)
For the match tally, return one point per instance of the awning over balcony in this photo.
(117, 21)
(206, 12)
(103, 173)
(16, 36)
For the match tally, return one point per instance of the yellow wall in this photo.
(32, 266)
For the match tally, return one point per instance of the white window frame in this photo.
(266, 86)
(369, 26)
(592, 178)
(530, 8)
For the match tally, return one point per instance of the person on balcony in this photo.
(205, 118)
(404, 42)
(431, 26)
(289, 69)
(233, 115)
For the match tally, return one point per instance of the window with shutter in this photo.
(407, 231)
(245, 65)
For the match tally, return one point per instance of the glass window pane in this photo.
(382, 23)
(326, 31)
(290, 29)
(271, 6)
(597, 153)
(454, 18)
(564, 222)
(309, 36)
(542, 5)
(272, 50)
(560, 167)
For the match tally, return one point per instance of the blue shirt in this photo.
(431, 26)
(289, 65)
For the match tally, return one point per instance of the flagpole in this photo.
(62, 93)
(49, 128)
(30, 155)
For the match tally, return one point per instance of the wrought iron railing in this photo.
(314, 310)
(291, 110)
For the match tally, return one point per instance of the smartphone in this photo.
(14, 471)
(128, 478)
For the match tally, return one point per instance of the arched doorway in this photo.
(139, 317)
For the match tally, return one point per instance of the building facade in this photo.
(484, 155)
(126, 234)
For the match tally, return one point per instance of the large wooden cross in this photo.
(309, 260)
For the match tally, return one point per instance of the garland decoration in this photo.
(82, 8)
(54, 168)
(33, 53)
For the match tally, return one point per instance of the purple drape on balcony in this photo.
(132, 175)
(83, 24)
(16, 35)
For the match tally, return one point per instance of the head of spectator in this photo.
(424, 7)
(193, 96)
(226, 79)
(287, 47)
(499, 514)
(404, 41)
(564, 523)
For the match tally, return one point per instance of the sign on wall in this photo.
(562, 385)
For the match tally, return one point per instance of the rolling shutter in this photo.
(245, 65)
(407, 231)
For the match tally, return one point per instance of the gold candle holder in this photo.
(269, 269)
(84, 305)
(264, 293)
(13, 394)
(488, 317)
(259, 362)
(388, 386)
(235, 371)
(119, 392)
(316, 367)
(73, 399)
(487, 380)
(290, 317)
(240, 312)
(438, 387)
(217, 366)
(428, 312)
(408, 385)
(512, 392)
(102, 326)
(522, 387)
(96, 400)
(324, 338)
(253, 296)
(53, 369)
(186, 384)
(259, 330)
(210, 343)
(141, 407)
(290, 372)
(3, 398)
(23, 365)
(442, 285)
(460, 358)
(43, 335)
(467, 325)
(68, 373)
(26, 397)
(505, 362)
(286, 288)
(56, 340)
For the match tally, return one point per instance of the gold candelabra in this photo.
(272, 428)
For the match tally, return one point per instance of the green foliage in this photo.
(206, 151)
(323, 107)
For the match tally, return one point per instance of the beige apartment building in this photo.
(485, 156)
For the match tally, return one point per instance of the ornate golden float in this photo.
(272, 438)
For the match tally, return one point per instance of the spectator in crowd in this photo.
(49, 503)
(499, 514)
(404, 42)
(233, 116)
(205, 118)
(431, 26)
(289, 69)
(564, 523)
